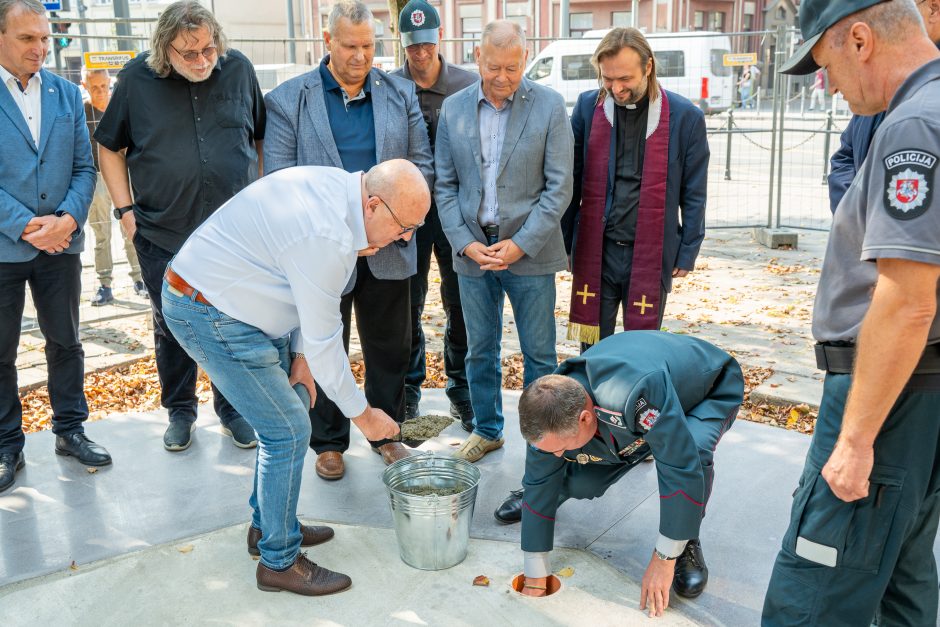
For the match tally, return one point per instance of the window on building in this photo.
(471, 27)
(577, 67)
(747, 23)
(621, 18)
(717, 21)
(580, 23)
(782, 13)
(542, 69)
(670, 63)
(518, 12)
(699, 21)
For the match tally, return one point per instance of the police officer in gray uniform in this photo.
(589, 423)
(435, 79)
(864, 517)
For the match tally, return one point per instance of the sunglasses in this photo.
(191, 55)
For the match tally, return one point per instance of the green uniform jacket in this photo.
(674, 391)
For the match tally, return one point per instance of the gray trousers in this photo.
(100, 220)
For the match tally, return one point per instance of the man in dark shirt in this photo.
(623, 227)
(98, 85)
(186, 122)
(435, 79)
(350, 115)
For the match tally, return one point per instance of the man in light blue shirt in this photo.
(493, 123)
(504, 162)
(254, 296)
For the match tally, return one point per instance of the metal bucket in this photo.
(433, 531)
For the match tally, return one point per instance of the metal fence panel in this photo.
(767, 168)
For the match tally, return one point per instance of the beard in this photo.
(632, 96)
(193, 76)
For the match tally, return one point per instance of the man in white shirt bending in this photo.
(253, 297)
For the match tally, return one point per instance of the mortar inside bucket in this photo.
(432, 499)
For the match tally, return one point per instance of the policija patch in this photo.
(909, 174)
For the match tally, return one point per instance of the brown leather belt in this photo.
(179, 284)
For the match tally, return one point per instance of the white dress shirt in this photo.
(277, 257)
(28, 100)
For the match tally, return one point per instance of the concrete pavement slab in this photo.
(210, 579)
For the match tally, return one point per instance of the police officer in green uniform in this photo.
(864, 517)
(599, 414)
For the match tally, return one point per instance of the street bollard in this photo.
(825, 178)
(728, 149)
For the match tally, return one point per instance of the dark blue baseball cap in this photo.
(418, 23)
(817, 16)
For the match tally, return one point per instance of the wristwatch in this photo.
(662, 556)
(120, 211)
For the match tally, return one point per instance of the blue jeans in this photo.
(533, 307)
(252, 370)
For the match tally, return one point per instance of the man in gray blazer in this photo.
(503, 163)
(349, 115)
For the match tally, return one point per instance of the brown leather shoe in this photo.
(392, 452)
(330, 465)
(303, 577)
(310, 535)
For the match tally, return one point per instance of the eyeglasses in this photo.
(404, 229)
(191, 55)
(422, 47)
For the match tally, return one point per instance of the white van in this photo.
(690, 64)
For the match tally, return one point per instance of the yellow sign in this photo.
(108, 60)
(741, 58)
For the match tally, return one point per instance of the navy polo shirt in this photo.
(351, 122)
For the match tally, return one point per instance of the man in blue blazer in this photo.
(503, 170)
(349, 115)
(47, 178)
(634, 176)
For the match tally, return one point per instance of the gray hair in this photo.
(550, 404)
(7, 5)
(503, 34)
(891, 20)
(93, 72)
(185, 15)
(353, 10)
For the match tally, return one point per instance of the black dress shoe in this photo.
(691, 571)
(78, 445)
(411, 410)
(463, 411)
(9, 464)
(511, 510)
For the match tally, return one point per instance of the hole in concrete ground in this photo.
(415, 431)
(552, 586)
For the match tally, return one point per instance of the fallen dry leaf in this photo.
(73, 566)
(567, 571)
(481, 580)
(188, 548)
(91, 471)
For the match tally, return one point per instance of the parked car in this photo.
(690, 64)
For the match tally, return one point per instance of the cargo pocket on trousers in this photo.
(872, 520)
(833, 533)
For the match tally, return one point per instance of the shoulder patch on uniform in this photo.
(909, 176)
(647, 419)
(608, 417)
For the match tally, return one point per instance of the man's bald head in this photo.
(401, 184)
(401, 188)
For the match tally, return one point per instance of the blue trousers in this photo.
(533, 306)
(252, 370)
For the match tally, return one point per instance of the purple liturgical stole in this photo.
(646, 273)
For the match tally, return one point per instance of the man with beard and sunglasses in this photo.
(183, 132)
